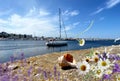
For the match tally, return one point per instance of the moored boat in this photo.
(60, 42)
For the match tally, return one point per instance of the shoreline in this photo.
(48, 61)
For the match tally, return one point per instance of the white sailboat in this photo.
(60, 42)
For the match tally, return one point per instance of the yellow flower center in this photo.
(96, 59)
(87, 60)
(109, 72)
(98, 72)
(81, 41)
(96, 53)
(118, 78)
(83, 67)
(103, 63)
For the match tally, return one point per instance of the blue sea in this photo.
(30, 48)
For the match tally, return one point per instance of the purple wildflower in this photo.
(5, 77)
(55, 71)
(15, 78)
(111, 56)
(29, 70)
(117, 57)
(58, 76)
(100, 56)
(1, 70)
(114, 57)
(6, 69)
(49, 74)
(116, 68)
(12, 59)
(105, 56)
(45, 75)
(25, 79)
(22, 56)
(106, 76)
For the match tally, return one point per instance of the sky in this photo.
(41, 17)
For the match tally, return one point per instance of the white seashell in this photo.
(64, 63)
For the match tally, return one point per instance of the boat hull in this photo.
(56, 44)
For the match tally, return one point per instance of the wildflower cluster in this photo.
(101, 66)
(23, 71)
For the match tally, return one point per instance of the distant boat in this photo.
(60, 42)
(56, 43)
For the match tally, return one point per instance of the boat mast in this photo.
(64, 28)
(60, 21)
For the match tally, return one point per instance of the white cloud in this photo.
(37, 12)
(112, 3)
(37, 21)
(76, 23)
(75, 12)
(71, 13)
(109, 4)
(44, 13)
(29, 24)
(98, 11)
(72, 26)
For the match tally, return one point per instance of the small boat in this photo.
(56, 44)
(60, 42)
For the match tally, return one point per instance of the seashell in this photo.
(67, 61)
(68, 57)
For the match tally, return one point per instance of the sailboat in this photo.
(60, 42)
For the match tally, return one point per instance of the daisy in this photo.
(108, 72)
(104, 64)
(81, 42)
(118, 54)
(83, 67)
(118, 78)
(98, 72)
(92, 67)
(87, 59)
(96, 52)
(95, 58)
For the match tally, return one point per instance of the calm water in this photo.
(33, 48)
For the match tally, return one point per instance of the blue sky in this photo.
(40, 17)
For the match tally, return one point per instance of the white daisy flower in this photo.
(83, 67)
(104, 64)
(87, 59)
(81, 42)
(95, 58)
(98, 72)
(118, 54)
(92, 67)
(96, 52)
(118, 78)
(108, 71)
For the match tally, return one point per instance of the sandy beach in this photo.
(45, 67)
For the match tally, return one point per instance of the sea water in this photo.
(31, 48)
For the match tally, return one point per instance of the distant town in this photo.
(12, 36)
